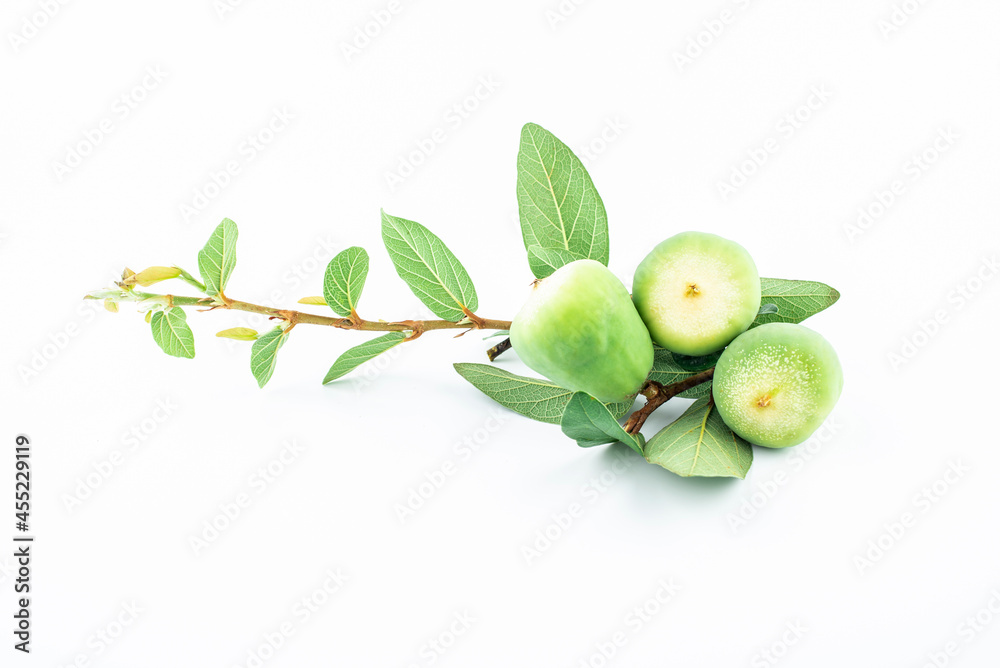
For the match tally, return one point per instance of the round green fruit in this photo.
(580, 330)
(696, 292)
(775, 384)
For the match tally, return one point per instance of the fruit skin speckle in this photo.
(696, 292)
(580, 330)
(776, 384)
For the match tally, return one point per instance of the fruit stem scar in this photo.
(692, 290)
(764, 401)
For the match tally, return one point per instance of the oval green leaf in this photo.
(559, 206)
(172, 333)
(218, 258)
(345, 279)
(431, 270)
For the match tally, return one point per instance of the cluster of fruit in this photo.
(695, 294)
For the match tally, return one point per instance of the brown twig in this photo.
(300, 317)
(498, 349)
(658, 394)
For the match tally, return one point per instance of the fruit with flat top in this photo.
(696, 292)
(776, 384)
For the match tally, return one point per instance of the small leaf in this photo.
(767, 309)
(557, 202)
(264, 354)
(536, 398)
(432, 271)
(699, 443)
(153, 275)
(149, 316)
(589, 422)
(344, 279)
(358, 355)
(239, 334)
(544, 261)
(111, 305)
(313, 301)
(172, 333)
(218, 258)
(499, 332)
(794, 300)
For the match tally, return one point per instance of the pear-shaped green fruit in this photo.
(775, 384)
(696, 292)
(580, 330)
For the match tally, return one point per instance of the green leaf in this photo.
(558, 204)
(264, 354)
(218, 258)
(239, 334)
(358, 355)
(666, 370)
(172, 333)
(795, 300)
(313, 301)
(432, 271)
(535, 398)
(499, 332)
(344, 280)
(589, 422)
(699, 443)
(544, 261)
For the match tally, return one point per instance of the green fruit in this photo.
(696, 292)
(580, 330)
(775, 384)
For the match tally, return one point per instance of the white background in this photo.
(672, 132)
